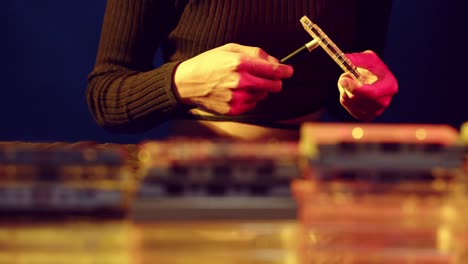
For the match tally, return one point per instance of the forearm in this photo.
(125, 93)
(125, 101)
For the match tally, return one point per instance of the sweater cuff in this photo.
(171, 102)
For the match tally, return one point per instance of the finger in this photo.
(247, 96)
(265, 69)
(383, 87)
(248, 81)
(241, 108)
(358, 113)
(347, 83)
(358, 102)
(212, 106)
(363, 59)
(370, 61)
(251, 51)
(355, 88)
(363, 109)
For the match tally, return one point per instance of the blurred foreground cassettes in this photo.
(343, 193)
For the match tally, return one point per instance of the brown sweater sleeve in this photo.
(125, 94)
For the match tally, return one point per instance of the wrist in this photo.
(178, 84)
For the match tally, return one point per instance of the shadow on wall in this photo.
(50, 48)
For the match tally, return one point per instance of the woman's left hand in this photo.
(367, 99)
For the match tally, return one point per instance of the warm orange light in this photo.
(144, 156)
(357, 133)
(421, 134)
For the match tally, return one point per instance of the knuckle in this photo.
(276, 70)
(233, 100)
(224, 109)
(228, 97)
(233, 110)
(382, 104)
(257, 52)
(370, 52)
(236, 80)
(239, 62)
(395, 86)
(277, 85)
(372, 94)
(230, 46)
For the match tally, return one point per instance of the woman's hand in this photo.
(230, 79)
(368, 99)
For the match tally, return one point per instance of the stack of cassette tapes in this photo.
(49, 178)
(382, 193)
(198, 178)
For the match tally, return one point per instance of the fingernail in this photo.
(344, 84)
(272, 59)
(291, 70)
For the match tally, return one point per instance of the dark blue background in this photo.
(48, 48)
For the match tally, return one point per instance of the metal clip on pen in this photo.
(308, 47)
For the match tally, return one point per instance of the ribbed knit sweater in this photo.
(127, 93)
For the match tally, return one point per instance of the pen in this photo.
(308, 47)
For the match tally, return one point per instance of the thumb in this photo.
(343, 82)
(255, 52)
(346, 84)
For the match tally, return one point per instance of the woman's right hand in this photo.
(230, 79)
